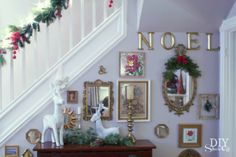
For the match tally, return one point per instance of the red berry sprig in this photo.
(110, 3)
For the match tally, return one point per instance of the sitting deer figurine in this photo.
(55, 121)
(101, 131)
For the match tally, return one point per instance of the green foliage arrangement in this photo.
(89, 137)
(182, 62)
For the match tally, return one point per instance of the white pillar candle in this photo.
(130, 92)
(79, 110)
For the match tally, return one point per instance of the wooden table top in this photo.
(51, 147)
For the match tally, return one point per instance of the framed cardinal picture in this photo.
(132, 64)
(190, 135)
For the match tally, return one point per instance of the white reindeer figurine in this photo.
(101, 131)
(55, 121)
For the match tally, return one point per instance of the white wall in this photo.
(232, 12)
(167, 147)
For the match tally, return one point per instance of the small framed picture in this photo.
(132, 64)
(72, 97)
(11, 151)
(208, 106)
(190, 135)
(140, 103)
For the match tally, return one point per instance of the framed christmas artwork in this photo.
(190, 135)
(132, 64)
(208, 106)
(140, 103)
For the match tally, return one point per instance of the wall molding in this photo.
(227, 84)
(98, 43)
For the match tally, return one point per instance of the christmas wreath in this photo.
(181, 62)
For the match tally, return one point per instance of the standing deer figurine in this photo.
(101, 131)
(55, 121)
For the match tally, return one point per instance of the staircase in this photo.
(71, 52)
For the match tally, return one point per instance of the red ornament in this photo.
(14, 57)
(14, 51)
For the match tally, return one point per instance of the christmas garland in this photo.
(17, 36)
(89, 137)
(182, 62)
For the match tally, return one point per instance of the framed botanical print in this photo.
(208, 106)
(190, 135)
(132, 64)
(140, 103)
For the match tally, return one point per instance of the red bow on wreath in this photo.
(182, 59)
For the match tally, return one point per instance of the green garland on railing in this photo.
(20, 35)
(182, 62)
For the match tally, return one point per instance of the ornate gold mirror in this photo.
(179, 86)
(95, 93)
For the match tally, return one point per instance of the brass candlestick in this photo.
(130, 122)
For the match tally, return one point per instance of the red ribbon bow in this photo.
(182, 59)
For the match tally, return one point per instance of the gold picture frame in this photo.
(190, 135)
(98, 92)
(141, 103)
(12, 151)
(33, 136)
(208, 106)
(72, 97)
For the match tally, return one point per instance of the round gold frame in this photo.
(161, 130)
(189, 152)
(33, 136)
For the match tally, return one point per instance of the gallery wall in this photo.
(154, 67)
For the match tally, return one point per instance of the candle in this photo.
(79, 110)
(130, 92)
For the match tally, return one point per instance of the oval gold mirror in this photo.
(179, 98)
(179, 86)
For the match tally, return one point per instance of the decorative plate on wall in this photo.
(161, 130)
(33, 136)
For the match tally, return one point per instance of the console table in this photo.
(142, 148)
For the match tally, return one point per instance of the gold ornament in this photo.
(102, 70)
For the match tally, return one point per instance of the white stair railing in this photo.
(49, 46)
